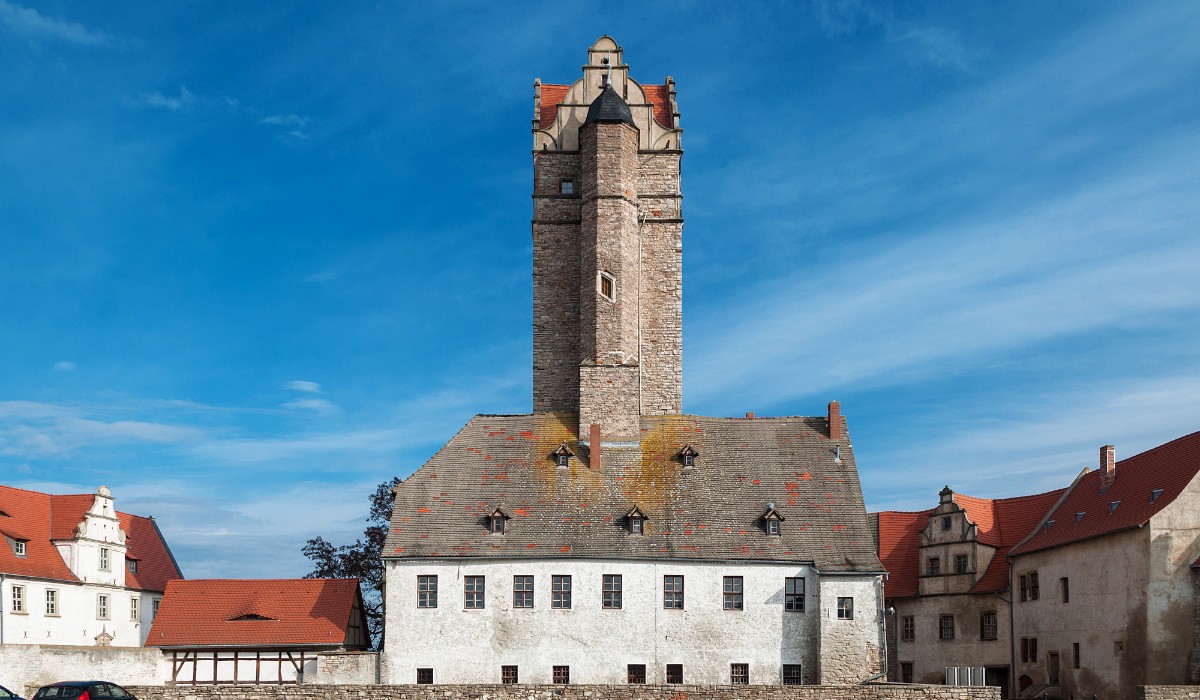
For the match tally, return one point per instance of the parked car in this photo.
(6, 694)
(83, 690)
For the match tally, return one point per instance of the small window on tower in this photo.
(566, 186)
(607, 286)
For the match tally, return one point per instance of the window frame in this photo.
(906, 672)
(474, 592)
(845, 607)
(560, 675)
(962, 563)
(674, 674)
(20, 548)
(611, 593)
(105, 559)
(560, 591)
(52, 603)
(427, 591)
(989, 620)
(635, 674)
(933, 566)
(523, 591)
(908, 628)
(603, 277)
(673, 597)
(509, 675)
(739, 673)
(947, 522)
(773, 527)
(1075, 655)
(946, 627)
(424, 676)
(103, 607)
(793, 601)
(1064, 585)
(792, 674)
(732, 593)
(135, 608)
(566, 186)
(17, 605)
(1034, 589)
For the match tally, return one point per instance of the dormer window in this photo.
(637, 521)
(562, 456)
(131, 564)
(688, 456)
(1155, 494)
(496, 522)
(606, 284)
(566, 186)
(19, 548)
(1113, 506)
(771, 520)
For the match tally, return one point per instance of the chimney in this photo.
(749, 415)
(594, 448)
(1108, 465)
(835, 420)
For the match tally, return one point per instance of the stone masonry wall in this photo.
(571, 692)
(555, 285)
(1168, 692)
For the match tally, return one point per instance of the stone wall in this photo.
(1168, 692)
(572, 692)
(28, 666)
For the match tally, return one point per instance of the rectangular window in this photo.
(427, 591)
(560, 592)
(934, 566)
(1033, 586)
(154, 608)
(566, 186)
(134, 604)
(673, 592)
(906, 672)
(1075, 655)
(791, 675)
(1023, 584)
(1066, 589)
(101, 607)
(522, 592)
(908, 628)
(51, 602)
(731, 598)
(636, 674)
(739, 674)
(793, 594)
(131, 564)
(1029, 649)
(988, 626)
(635, 526)
(473, 592)
(845, 609)
(105, 564)
(945, 522)
(772, 527)
(946, 627)
(19, 548)
(424, 676)
(561, 675)
(674, 673)
(612, 592)
(18, 599)
(960, 563)
(508, 675)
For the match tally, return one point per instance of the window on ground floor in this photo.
(906, 672)
(1029, 649)
(946, 627)
(989, 626)
(791, 674)
(674, 673)
(561, 675)
(508, 675)
(424, 676)
(636, 674)
(908, 628)
(845, 608)
(739, 674)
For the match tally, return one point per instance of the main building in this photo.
(607, 537)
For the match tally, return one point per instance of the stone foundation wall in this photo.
(1168, 692)
(569, 692)
(29, 666)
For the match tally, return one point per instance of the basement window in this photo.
(606, 284)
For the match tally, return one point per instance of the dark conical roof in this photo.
(609, 108)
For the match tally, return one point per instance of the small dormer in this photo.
(687, 456)
(497, 521)
(562, 456)
(771, 520)
(635, 520)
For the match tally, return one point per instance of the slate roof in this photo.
(609, 108)
(1000, 523)
(1170, 467)
(42, 519)
(710, 512)
(274, 613)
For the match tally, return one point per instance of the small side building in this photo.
(254, 631)
(1105, 589)
(948, 583)
(75, 571)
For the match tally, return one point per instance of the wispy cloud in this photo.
(937, 45)
(289, 120)
(34, 25)
(158, 100)
(64, 366)
(303, 385)
(322, 406)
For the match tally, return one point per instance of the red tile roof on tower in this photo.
(553, 96)
(1000, 523)
(1091, 510)
(257, 613)
(41, 519)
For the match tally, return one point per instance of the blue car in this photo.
(83, 690)
(6, 694)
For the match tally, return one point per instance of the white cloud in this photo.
(158, 100)
(65, 366)
(33, 24)
(322, 406)
(303, 385)
(291, 120)
(937, 45)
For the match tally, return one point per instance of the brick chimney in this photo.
(835, 420)
(1108, 465)
(594, 448)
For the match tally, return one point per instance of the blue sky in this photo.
(256, 258)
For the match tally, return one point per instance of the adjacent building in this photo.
(948, 585)
(75, 571)
(255, 631)
(1105, 589)
(607, 537)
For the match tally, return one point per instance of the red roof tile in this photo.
(553, 95)
(275, 612)
(43, 519)
(1170, 467)
(1000, 523)
(658, 96)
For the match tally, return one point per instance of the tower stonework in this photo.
(607, 239)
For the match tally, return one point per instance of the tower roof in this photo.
(609, 108)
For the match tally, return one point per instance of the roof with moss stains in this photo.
(710, 512)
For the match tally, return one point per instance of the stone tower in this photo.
(607, 248)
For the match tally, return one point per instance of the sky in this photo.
(256, 258)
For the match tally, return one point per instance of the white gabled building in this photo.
(75, 571)
(607, 537)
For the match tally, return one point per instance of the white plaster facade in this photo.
(598, 645)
